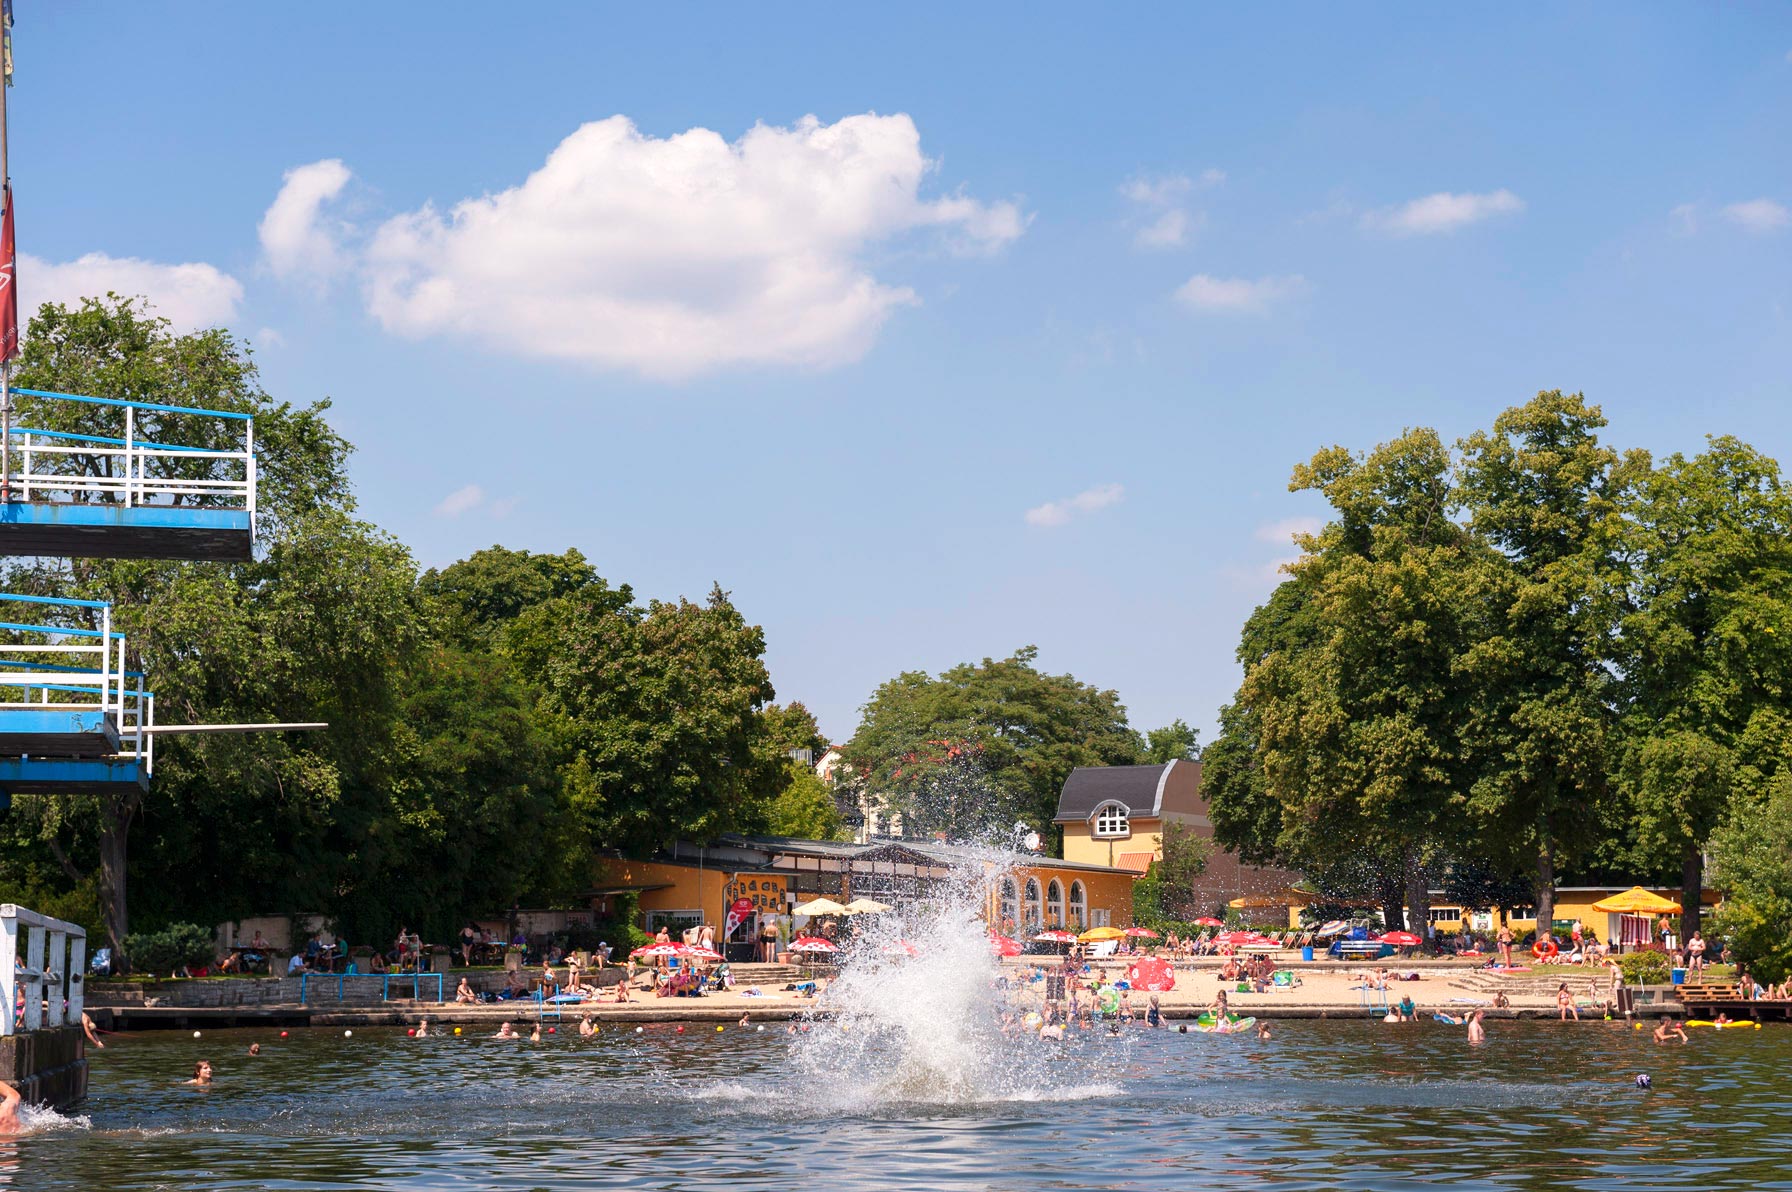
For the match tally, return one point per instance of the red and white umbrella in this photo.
(1208, 921)
(1151, 975)
(699, 953)
(1141, 933)
(1003, 945)
(1400, 939)
(656, 951)
(1238, 938)
(1055, 936)
(812, 943)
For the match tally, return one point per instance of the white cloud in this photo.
(267, 337)
(1758, 215)
(1441, 212)
(294, 239)
(671, 257)
(1686, 215)
(1282, 532)
(191, 296)
(1169, 221)
(1206, 293)
(1169, 230)
(461, 500)
(1056, 513)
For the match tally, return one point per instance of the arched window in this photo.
(1054, 903)
(1079, 905)
(1111, 821)
(1032, 904)
(1008, 905)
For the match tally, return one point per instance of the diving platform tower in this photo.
(73, 720)
(122, 495)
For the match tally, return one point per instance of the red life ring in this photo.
(1544, 947)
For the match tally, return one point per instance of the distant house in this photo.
(1115, 816)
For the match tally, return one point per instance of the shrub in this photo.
(1644, 968)
(167, 951)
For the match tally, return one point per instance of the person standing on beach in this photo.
(1505, 939)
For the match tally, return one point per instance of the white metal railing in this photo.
(49, 981)
(45, 674)
(65, 466)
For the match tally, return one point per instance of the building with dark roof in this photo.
(1115, 816)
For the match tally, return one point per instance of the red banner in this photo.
(737, 914)
(9, 290)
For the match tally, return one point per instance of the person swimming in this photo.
(1153, 1013)
(506, 1031)
(202, 1075)
(9, 1109)
(1476, 1032)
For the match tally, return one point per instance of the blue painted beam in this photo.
(57, 732)
(109, 531)
(69, 776)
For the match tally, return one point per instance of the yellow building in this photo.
(740, 882)
(1114, 816)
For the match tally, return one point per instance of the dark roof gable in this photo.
(1137, 788)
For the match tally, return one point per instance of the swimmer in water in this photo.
(743, 1020)
(254, 1049)
(585, 1027)
(202, 1075)
(1263, 1030)
(9, 1109)
(1669, 1028)
(1476, 1032)
(505, 1031)
(91, 1031)
(423, 1028)
(1154, 1016)
(535, 1034)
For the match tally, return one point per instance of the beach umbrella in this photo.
(1141, 933)
(656, 951)
(1151, 975)
(811, 943)
(1054, 936)
(865, 906)
(1238, 939)
(1003, 945)
(1335, 927)
(1637, 901)
(1102, 933)
(819, 906)
(699, 953)
(1208, 921)
(1401, 939)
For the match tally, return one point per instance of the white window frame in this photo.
(1010, 905)
(1111, 821)
(1099, 917)
(1079, 904)
(1054, 902)
(1035, 903)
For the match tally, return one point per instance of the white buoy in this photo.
(195, 1034)
(348, 1034)
(639, 1029)
(761, 1030)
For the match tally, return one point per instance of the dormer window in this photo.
(1111, 821)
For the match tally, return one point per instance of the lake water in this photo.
(1334, 1105)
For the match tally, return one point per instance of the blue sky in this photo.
(1015, 342)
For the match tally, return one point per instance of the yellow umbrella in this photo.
(1095, 934)
(1638, 901)
(821, 906)
(865, 906)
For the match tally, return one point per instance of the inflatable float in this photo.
(1720, 1025)
(1232, 1024)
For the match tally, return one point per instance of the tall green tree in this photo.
(1544, 490)
(1175, 742)
(985, 744)
(1751, 860)
(1706, 649)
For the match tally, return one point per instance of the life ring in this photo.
(1545, 947)
(1108, 1000)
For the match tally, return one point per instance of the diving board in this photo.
(86, 479)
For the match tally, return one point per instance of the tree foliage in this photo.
(985, 744)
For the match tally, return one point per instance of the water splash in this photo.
(917, 1014)
(41, 1119)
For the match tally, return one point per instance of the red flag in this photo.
(9, 291)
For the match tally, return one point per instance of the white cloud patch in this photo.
(1758, 215)
(1282, 532)
(267, 337)
(191, 296)
(1166, 221)
(295, 239)
(1686, 218)
(1206, 293)
(1057, 513)
(461, 500)
(1441, 212)
(668, 257)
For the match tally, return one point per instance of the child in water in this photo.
(1153, 1014)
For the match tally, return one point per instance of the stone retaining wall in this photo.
(362, 989)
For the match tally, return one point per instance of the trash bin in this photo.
(1306, 953)
(1678, 976)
